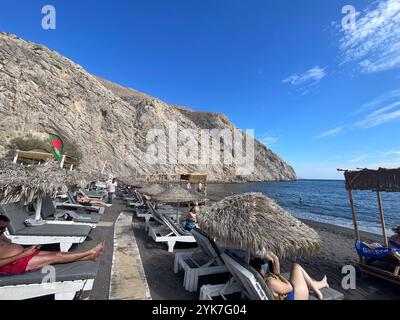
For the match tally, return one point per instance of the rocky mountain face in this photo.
(42, 91)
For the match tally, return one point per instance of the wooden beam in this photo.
(385, 240)
(353, 211)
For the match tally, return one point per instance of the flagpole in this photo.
(104, 166)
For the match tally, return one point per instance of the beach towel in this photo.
(394, 244)
(32, 222)
(374, 253)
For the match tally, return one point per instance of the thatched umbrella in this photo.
(176, 195)
(152, 189)
(23, 184)
(254, 223)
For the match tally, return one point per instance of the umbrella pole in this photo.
(177, 213)
(385, 239)
(38, 215)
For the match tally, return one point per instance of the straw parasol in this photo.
(27, 184)
(176, 195)
(255, 223)
(153, 189)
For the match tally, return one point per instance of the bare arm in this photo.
(25, 253)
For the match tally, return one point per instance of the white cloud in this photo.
(390, 96)
(391, 153)
(358, 159)
(267, 139)
(380, 116)
(374, 42)
(310, 77)
(329, 133)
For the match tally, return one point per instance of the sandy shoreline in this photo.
(337, 250)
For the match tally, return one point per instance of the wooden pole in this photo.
(353, 211)
(16, 157)
(38, 211)
(385, 240)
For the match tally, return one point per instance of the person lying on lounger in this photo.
(14, 259)
(299, 285)
(86, 201)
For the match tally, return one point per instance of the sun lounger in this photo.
(91, 194)
(166, 230)
(49, 213)
(18, 232)
(249, 283)
(383, 262)
(69, 279)
(73, 205)
(205, 260)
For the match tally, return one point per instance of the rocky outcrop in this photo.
(42, 91)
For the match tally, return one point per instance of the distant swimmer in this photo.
(301, 200)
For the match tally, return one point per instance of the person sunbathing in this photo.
(15, 259)
(191, 219)
(86, 201)
(299, 285)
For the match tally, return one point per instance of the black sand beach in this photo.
(337, 251)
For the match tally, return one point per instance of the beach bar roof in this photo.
(43, 156)
(380, 180)
(383, 180)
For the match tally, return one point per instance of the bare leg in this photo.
(48, 258)
(301, 279)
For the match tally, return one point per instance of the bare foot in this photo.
(324, 282)
(97, 250)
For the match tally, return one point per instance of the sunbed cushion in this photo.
(254, 272)
(328, 294)
(17, 215)
(211, 249)
(55, 230)
(48, 208)
(48, 212)
(80, 270)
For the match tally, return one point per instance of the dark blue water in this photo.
(321, 200)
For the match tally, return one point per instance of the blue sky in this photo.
(320, 96)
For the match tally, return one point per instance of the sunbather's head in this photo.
(3, 223)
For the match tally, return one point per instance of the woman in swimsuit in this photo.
(191, 219)
(85, 200)
(299, 285)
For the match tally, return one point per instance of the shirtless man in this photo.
(14, 259)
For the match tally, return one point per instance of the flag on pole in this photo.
(58, 146)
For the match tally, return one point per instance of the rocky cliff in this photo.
(42, 91)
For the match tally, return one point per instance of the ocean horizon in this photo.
(321, 200)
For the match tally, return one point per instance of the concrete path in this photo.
(128, 280)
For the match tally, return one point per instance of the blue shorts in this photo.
(290, 295)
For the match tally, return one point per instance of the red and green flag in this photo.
(58, 146)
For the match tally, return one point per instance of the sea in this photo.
(321, 200)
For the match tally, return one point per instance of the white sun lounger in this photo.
(249, 283)
(19, 233)
(73, 205)
(166, 230)
(204, 260)
(49, 211)
(69, 279)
